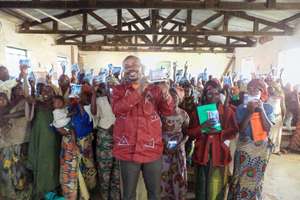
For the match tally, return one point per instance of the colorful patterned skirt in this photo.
(77, 170)
(107, 166)
(250, 163)
(15, 179)
(174, 172)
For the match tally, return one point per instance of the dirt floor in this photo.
(282, 180)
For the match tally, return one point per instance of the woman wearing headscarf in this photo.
(77, 171)
(15, 180)
(107, 166)
(174, 170)
(44, 146)
(82, 122)
(212, 155)
(251, 157)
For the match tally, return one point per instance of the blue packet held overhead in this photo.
(25, 62)
(75, 90)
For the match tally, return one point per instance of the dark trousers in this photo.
(130, 172)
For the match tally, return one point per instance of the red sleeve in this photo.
(165, 106)
(230, 126)
(124, 99)
(194, 130)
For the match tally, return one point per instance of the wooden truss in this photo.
(151, 25)
(153, 4)
(157, 32)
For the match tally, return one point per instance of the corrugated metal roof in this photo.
(197, 16)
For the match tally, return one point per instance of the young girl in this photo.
(212, 155)
(174, 170)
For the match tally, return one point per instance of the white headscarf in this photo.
(6, 87)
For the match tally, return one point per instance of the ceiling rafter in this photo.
(207, 21)
(137, 17)
(48, 19)
(190, 29)
(160, 49)
(124, 24)
(23, 18)
(284, 21)
(169, 42)
(166, 38)
(159, 4)
(171, 39)
(171, 16)
(160, 32)
(101, 20)
(276, 25)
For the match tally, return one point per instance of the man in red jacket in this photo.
(137, 131)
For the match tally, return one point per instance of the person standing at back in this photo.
(137, 131)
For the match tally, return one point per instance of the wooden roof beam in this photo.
(207, 21)
(163, 32)
(284, 21)
(49, 19)
(170, 17)
(245, 16)
(165, 36)
(208, 4)
(102, 29)
(28, 15)
(165, 44)
(101, 20)
(138, 18)
(54, 18)
(155, 49)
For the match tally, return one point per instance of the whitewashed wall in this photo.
(41, 48)
(215, 63)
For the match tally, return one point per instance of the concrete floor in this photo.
(282, 179)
